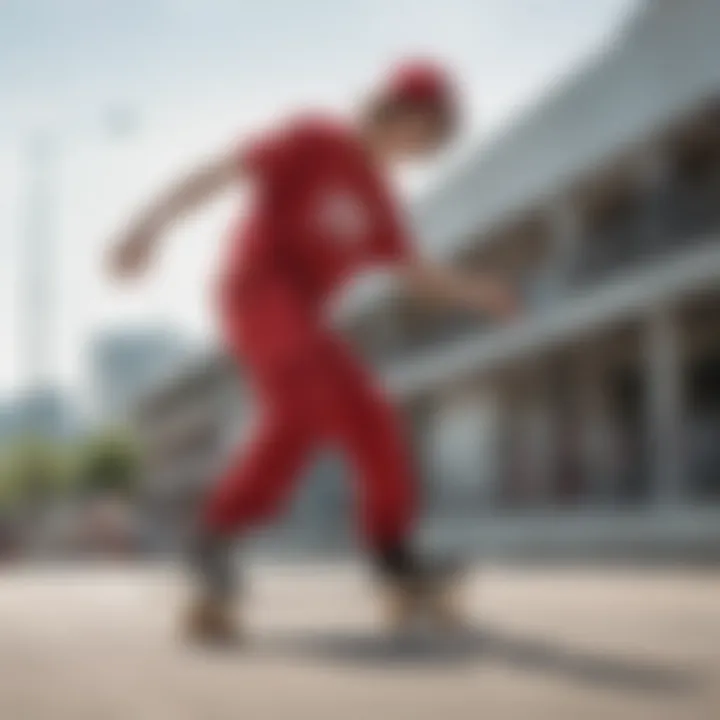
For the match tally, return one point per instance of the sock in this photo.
(211, 562)
(396, 561)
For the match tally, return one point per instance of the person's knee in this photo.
(255, 484)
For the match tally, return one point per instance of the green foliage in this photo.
(33, 470)
(108, 463)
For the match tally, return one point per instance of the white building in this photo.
(590, 424)
(126, 363)
(45, 412)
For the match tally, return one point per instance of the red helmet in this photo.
(424, 83)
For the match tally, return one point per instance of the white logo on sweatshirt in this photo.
(343, 216)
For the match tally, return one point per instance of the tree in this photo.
(108, 463)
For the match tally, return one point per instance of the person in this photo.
(321, 212)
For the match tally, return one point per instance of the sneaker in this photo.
(429, 595)
(211, 621)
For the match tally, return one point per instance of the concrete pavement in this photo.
(98, 644)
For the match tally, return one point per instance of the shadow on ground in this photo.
(484, 646)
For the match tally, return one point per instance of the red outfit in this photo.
(321, 213)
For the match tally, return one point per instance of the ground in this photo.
(98, 644)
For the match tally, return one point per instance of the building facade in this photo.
(603, 204)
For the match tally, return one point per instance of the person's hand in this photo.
(479, 293)
(130, 256)
(499, 299)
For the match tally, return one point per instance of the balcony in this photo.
(670, 222)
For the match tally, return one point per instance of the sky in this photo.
(133, 92)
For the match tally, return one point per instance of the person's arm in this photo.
(393, 246)
(482, 293)
(131, 253)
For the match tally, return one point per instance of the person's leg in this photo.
(369, 430)
(261, 477)
(267, 332)
(253, 490)
(259, 481)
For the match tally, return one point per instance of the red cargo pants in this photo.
(311, 391)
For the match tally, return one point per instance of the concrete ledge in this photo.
(657, 533)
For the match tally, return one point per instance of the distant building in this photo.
(46, 412)
(187, 426)
(125, 363)
(591, 424)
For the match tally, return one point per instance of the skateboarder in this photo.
(321, 212)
